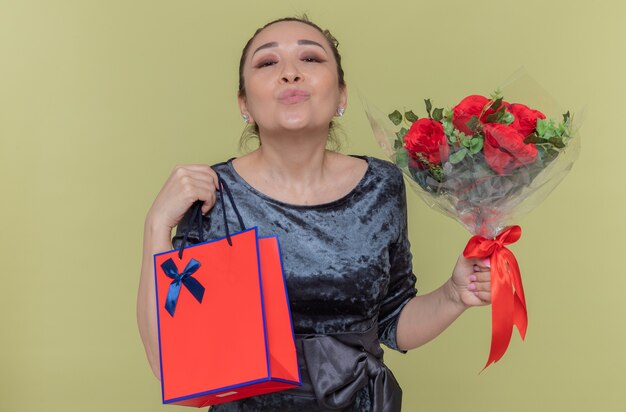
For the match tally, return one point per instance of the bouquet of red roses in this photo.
(483, 162)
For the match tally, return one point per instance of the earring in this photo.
(245, 118)
(340, 111)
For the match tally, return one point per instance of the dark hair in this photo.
(252, 131)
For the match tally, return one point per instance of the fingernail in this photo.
(472, 278)
(487, 262)
(471, 286)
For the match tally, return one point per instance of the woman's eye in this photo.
(311, 59)
(266, 63)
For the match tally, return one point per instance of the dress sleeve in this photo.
(401, 279)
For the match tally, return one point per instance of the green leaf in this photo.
(402, 158)
(410, 116)
(396, 117)
(451, 140)
(550, 155)
(476, 145)
(465, 140)
(497, 94)
(473, 123)
(507, 118)
(461, 140)
(437, 173)
(492, 118)
(499, 116)
(448, 127)
(456, 157)
(401, 133)
(429, 106)
(557, 142)
(542, 126)
(532, 138)
(397, 144)
(497, 103)
(553, 153)
(438, 114)
(566, 117)
(550, 133)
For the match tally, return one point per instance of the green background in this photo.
(100, 99)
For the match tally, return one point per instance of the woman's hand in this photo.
(426, 316)
(471, 281)
(185, 185)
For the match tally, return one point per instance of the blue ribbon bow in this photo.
(192, 285)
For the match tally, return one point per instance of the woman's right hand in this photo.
(185, 185)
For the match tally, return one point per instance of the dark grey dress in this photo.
(347, 266)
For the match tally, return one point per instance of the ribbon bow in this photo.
(341, 365)
(508, 305)
(192, 285)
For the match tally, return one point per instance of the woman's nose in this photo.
(291, 74)
(291, 78)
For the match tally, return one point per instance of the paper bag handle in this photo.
(196, 214)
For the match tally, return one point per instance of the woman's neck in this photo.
(295, 169)
(293, 159)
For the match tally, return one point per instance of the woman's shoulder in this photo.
(224, 169)
(222, 165)
(369, 173)
(384, 172)
(384, 166)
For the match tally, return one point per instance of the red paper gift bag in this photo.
(233, 340)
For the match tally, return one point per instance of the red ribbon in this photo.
(508, 305)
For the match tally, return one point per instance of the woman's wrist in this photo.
(156, 230)
(453, 296)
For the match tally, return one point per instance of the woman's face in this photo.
(290, 77)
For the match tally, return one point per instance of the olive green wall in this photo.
(100, 99)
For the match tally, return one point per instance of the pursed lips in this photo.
(291, 96)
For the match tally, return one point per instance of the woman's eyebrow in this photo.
(300, 42)
(311, 42)
(265, 46)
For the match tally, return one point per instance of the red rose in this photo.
(472, 106)
(505, 149)
(525, 118)
(462, 113)
(426, 140)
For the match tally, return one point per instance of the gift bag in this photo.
(224, 324)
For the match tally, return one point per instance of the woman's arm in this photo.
(185, 185)
(424, 317)
(156, 239)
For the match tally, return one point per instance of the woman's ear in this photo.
(343, 100)
(243, 109)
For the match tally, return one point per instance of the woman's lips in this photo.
(292, 96)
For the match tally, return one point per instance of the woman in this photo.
(341, 221)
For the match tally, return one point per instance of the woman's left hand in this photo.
(471, 279)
